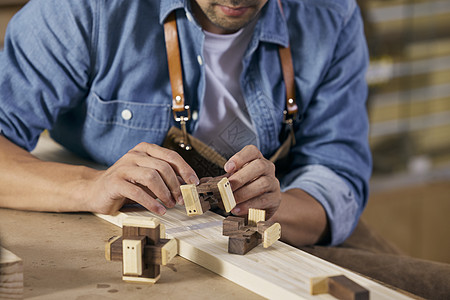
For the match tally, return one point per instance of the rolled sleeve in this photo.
(332, 192)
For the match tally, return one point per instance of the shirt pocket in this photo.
(116, 126)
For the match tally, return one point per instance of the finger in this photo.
(257, 187)
(151, 179)
(246, 155)
(166, 172)
(174, 159)
(133, 192)
(253, 170)
(264, 202)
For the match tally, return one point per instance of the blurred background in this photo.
(409, 109)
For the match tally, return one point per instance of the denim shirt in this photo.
(94, 73)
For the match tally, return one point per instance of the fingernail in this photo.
(229, 167)
(193, 180)
(161, 210)
(235, 210)
(180, 200)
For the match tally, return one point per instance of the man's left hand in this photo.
(253, 182)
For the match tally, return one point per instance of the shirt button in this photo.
(194, 115)
(200, 60)
(189, 16)
(126, 114)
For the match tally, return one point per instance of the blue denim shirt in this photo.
(73, 67)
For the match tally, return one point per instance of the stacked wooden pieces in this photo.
(142, 249)
(244, 237)
(279, 272)
(11, 275)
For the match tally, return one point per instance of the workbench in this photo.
(64, 258)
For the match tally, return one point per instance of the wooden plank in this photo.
(279, 272)
(11, 275)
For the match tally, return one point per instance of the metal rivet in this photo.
(194, 115)
(200, 60)
(178, 99)
(189, 17)
(291, 101)
(126, 114)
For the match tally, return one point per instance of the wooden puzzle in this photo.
(142, 248)
(279, 272)
(244, 237)
(214, 193)
(340, 286)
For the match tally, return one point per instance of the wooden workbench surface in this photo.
(63, 257)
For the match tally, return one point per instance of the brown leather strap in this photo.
(174, 61)
(287, 67)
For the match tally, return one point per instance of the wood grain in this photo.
(280, 272)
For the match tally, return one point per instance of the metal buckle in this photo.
(182, 119)
(289, 120)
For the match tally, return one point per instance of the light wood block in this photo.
(226, 194)
(281, 272)
(255, 216)
(271, 235)
(191, 200)
(318, 285)
(132, 256)
(169, 251)
(11, 275)
(141, 222)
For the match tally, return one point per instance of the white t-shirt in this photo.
(224, 123)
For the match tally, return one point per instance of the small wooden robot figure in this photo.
(212, 194)
(243, 238)
(142, 248)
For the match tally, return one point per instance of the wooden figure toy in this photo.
(142, 248)
(243, 238)
(214, 193)
(341, 287)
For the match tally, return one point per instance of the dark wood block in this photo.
(263, 225)
(243, 242)
(232, 224)
(344, 288)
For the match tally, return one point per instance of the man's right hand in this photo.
(146, 173)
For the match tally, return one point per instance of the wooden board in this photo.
(278, 272)
(11, 275)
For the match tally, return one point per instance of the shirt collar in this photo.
(271, 26)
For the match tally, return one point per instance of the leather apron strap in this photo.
(181, 111)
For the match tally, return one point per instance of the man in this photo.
(95, 75)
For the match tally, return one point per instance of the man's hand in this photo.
(146, 173)
(253, 182)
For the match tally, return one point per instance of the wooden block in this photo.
(132, 250)
(226, 194)
(232, 224)
(112, 247)
(191, 200)
(143, 222)
(255, 216)
(168, 251)
(271, 235)
(343, 288)
(318, 285)
(243, 242)
(11, 275)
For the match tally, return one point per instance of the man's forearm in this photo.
(303, 219)
(31, 184)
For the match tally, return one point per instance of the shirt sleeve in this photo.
(45, 67)
(331, 159)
